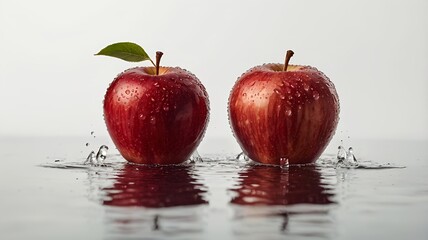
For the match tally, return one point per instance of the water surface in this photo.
(219, 198)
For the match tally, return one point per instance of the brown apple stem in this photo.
(158, 58)
(288, 55)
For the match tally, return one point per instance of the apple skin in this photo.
(156, 119)
(277, 115)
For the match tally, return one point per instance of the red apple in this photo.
(156, 115)
(283, 114)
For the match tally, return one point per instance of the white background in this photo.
(376, 53)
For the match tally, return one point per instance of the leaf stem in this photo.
(158, 58)
(288, 55)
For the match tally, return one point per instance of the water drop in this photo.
(306, 86)
(90, 159)
(152, 99)
(316, 95)
(165, 108)
(242, 156)
(152, 120)
(341, 154)
(350, 157)
(127, 91)
(288, 112)
(101, 154)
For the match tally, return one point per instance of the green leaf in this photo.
(127, 51)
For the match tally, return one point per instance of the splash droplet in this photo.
(101, 154)
(90, 159)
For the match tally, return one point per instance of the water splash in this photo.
(242, 156)
(350, 157)
(341, 154)
(195, 157)
(91, 159)
(346, 159)
(101, 154)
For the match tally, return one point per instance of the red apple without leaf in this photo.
(154, 115)
(283, 114)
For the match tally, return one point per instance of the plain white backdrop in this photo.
(376, 53)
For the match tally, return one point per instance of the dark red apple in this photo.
(156, 115)
(283, 114)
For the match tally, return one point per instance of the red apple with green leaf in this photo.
(155, 114)
(283, 114)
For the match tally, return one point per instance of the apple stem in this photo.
(288, 55)
(158, 58)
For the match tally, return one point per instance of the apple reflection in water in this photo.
(155, 187)
(266, 185)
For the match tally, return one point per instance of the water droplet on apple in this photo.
(306, 86)
(156, 84)
(127, 91)
(277, 91)
(118, 99)
(244, 94)
(152, 99)
(297, 94)
(283, 163)
(316, 95)
(152, 120)
(252, 84)
(166, 108)
(288, 112)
